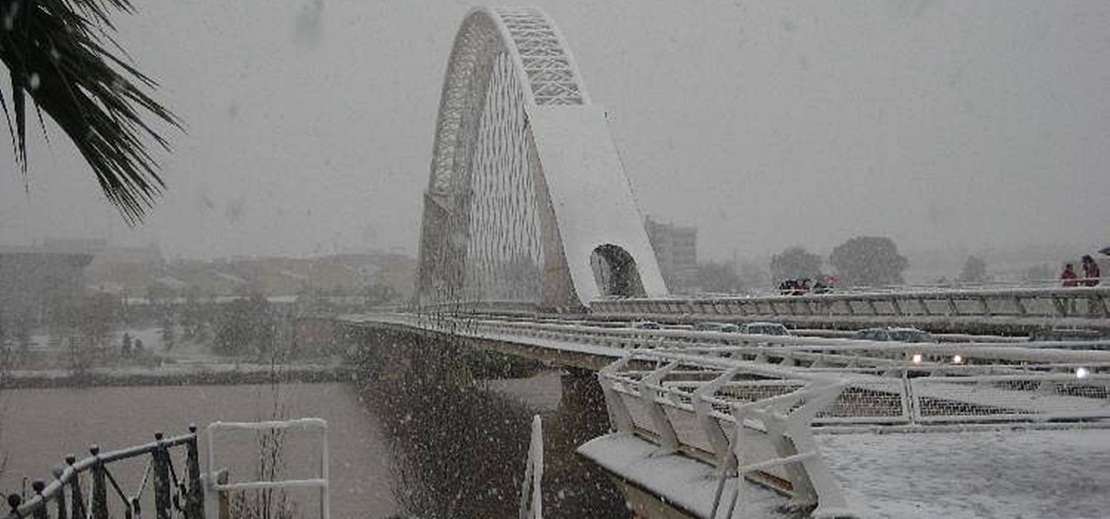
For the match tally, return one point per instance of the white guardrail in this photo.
(936, 308)
(1019, 305)
(321, 481)
(886, 383)
(725, 417)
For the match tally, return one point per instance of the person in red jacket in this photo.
(1090, 271)
(1068, 276)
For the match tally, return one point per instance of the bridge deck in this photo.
(968, 474)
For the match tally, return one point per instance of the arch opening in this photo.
(615, 272)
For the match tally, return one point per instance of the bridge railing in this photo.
(885, 383)
(1084, 306)
(172, 494)
(750, 422)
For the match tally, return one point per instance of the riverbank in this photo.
(180, 374)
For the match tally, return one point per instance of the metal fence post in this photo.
(194, 500)
(41, 512)
(161, 479)
(100, 486)
(76, 499)
(13, 502)
(60, 499)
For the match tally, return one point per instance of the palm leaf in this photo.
(55, 53)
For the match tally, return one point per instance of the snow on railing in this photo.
(215, 486)
(1014, 306)
(531, 491)
(1009, 307)
(728, 418)
(886, 383)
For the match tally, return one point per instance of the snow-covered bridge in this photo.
(528, 210)
(718, 405)
(528, 215)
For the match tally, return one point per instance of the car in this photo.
(894, 335)
(764, 329)
(716, 327)
(647, 325)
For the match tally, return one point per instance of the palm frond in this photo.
(55, 53)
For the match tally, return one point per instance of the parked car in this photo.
(894, 334)
(716, 327)
(764, 329)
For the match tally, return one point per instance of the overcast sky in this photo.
(942, 124)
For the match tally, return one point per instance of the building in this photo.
(37, 285)
(676, 251)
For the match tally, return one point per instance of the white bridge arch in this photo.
(527, 201)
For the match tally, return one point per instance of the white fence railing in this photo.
(992, 308)
(709, 413)
(320, 481)
(938, 309)
(531, 487)
(885, 383)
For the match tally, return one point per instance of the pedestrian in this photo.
(1090, 271)
(1068, 276)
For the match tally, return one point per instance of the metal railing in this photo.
(67, 496)
(531, 490)
(947, 309)
(1013, 308)
(708, 413)
(320, 482)
(805, 351)
(886, 383)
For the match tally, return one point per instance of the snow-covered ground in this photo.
(974, 474)
(982, 474)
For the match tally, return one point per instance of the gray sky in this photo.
(942, 124)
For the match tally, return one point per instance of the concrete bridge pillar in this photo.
(582, 396)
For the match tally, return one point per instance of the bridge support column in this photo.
(584, 400)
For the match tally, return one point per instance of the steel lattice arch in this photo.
(527, 201)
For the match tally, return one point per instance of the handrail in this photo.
(888, 382)
(1014, 309)
(784, 452)
(835, 351)
(96, 464)
(321, 482)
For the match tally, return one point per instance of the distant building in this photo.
(676, 251)
(37, 285)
